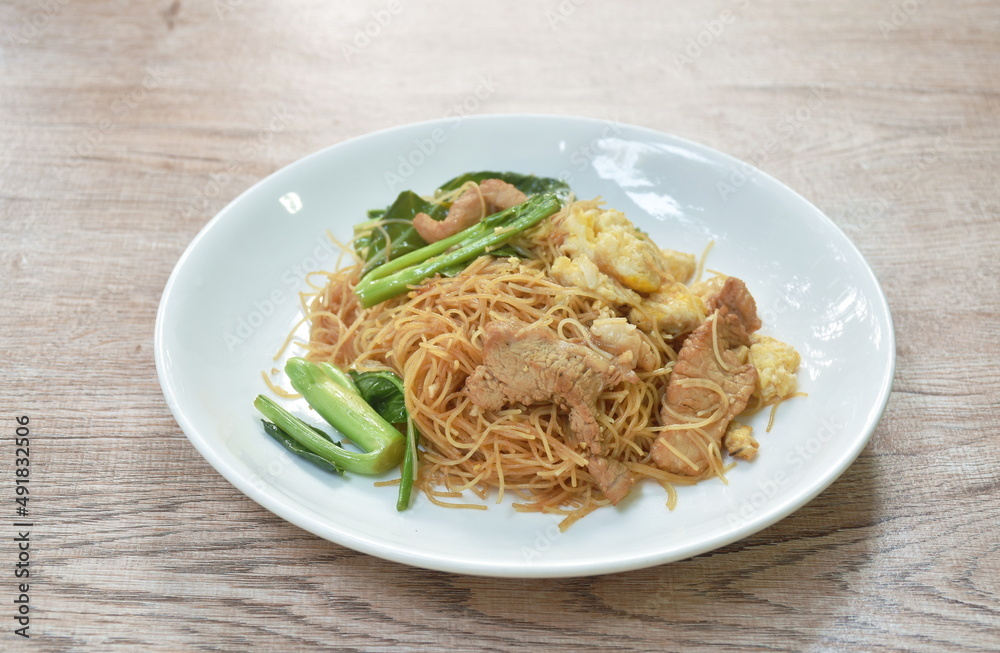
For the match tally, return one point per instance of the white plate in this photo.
(233, 296)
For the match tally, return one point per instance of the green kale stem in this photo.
(342, 378)
(343, 409)
(438, 247)
(472, 243)
(301, 432)
(418, 255)
(409, 467)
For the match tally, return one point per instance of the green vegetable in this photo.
(374, 462)
(417, 256)
(439, 247)
(409, 467)
(471, 243)
(348, 412)
(370, 243)
(509, 250)
(343, 379)
(293, 445)
(345, 410)
(383, 391)
(527, 184)
(359, 405)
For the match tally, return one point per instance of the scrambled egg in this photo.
(681, 265)
(616, 336)
(584, 273)
(604, 253)
(739, 441)
(673, 308)
(776, 363)
(636, 263)
(608, 239)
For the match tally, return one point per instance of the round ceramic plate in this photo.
(233, 298)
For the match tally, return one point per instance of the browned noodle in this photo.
(432, 338)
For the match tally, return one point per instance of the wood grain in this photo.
(126, 125)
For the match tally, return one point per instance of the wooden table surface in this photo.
(126, 125)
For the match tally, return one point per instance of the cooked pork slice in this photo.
(612, 476)
(501, 195)
(526, 364)
(473, 205)
(735, 296)
(682, 451)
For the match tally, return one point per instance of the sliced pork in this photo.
(612, 476)
(473, 205)
(524, 364)
(717, 353)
